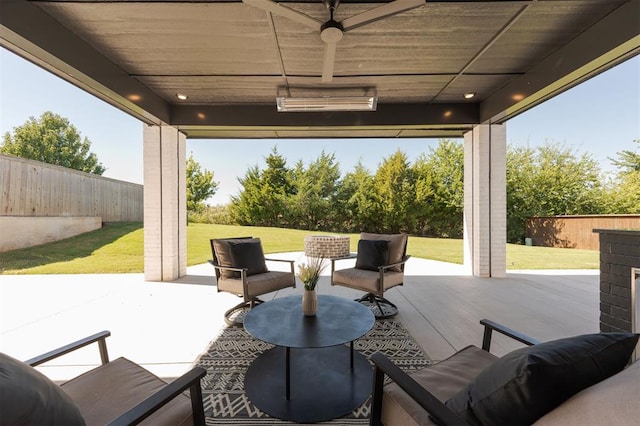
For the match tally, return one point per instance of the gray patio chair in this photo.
(379, 266)
(241, 269)
(118, 392)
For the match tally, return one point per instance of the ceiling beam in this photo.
(444, 119)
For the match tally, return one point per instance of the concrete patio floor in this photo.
(165, 326)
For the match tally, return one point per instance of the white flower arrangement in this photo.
(309, 273)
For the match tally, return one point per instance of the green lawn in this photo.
(118, 248)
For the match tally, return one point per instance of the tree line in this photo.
(426, 197)
(421, 198)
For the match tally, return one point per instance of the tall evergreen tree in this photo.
(394, 185)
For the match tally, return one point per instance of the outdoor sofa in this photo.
(118, 392)
(582, 380)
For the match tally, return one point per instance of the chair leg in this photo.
(235, 315)
(381, 307)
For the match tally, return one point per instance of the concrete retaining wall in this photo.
(23, 231)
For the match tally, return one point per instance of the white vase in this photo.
(309, 303)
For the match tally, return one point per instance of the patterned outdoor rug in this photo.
(230, 354)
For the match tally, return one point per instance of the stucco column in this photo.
(165, 206)
(485, 201)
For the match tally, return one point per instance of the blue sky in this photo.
(600, 117)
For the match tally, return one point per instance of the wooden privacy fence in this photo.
(34, 189)
(576, 231)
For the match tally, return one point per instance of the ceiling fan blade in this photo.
(284, 11)
(329, 59)
(381, 12)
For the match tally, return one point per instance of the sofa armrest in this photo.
(100, 338)
(190, 380)
(489, 326)
(383, 365)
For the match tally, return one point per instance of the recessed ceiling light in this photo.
(469, 95)
(181, 96)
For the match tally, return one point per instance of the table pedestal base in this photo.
(323, 385)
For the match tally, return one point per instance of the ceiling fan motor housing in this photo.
(331, 31)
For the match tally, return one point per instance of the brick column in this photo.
(485, 201)
(619, 253)
(165, 206)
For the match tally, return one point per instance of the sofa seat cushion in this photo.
(613, 401)
(258, 284)
(443, 380)
(366, 280)
(104, 393)
(28, 397)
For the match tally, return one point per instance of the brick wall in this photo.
(619, 252)
(326, 246)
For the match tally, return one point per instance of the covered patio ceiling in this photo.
(232, 59)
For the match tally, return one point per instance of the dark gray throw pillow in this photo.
(27, 397)
(527, 383)
(372, 254)
(248, 254)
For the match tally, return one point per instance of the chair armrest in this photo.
(100, 338)
(292, 265)
(402, 262)
(279, 260)
(190, 380)
(349, 256)
(227, 268)
(489, 326)
(436, 409)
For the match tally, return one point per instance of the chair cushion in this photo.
(397, 246)
(527, 383)
(443, 380)
(363, 279)
(104, 393)
(28, 397)
(224, 257)
(372, 254)
(248, 254)
(613, 401)
(258, 284)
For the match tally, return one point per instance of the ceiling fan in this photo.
(331, 31)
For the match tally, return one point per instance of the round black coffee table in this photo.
(310, 375)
